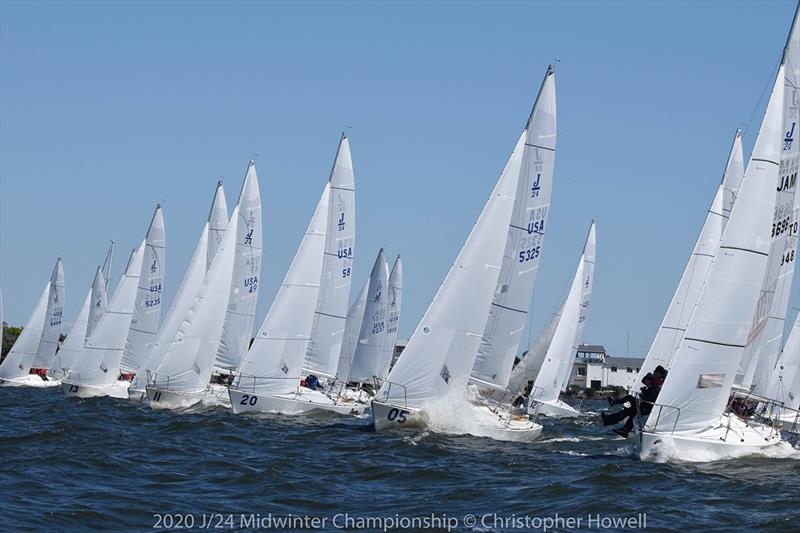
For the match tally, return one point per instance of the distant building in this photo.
(595, 369)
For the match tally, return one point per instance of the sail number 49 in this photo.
(398, 415)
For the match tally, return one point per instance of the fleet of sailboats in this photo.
(733, 380)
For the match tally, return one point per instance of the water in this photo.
(111, 465)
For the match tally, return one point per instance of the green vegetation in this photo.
(10, 335)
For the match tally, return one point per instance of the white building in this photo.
(595, 369)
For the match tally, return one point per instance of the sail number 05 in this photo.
(397, 415)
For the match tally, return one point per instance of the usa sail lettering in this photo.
(377, 327)
(58, 314)
(251, 283)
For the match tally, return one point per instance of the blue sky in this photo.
(108, 108)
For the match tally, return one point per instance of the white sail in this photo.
(99, 301)
(147, 312)
(785, 381)
(73, 344)
(187, 290)
(217, 222)
(392, 317)
(732, 178)
(673, 326)
(766, 336)
(52, 324)
(18, 360)
(588, 258)
(322, 357)
(238, 328)
(528, 367)
(561, 354)
(189, 361)
(523, 246)
(368, 354)
(701, 376)
(274, 362)
(441, 351)
(352, 329)
(98, 364)
(108, 264)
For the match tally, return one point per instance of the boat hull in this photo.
(555, 409)
(31, 380)
(386, 416)
(291, 404)
(167, 399)
(731, 438)
(504, 426)
(117, 389)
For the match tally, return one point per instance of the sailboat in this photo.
(93, 308)
(241, 309)
(187, 290)
(182, 378)
(676, 320)
(147, 310)
(436, 366)
(392, 318)
(96, 369)
(39, 338)
(553, 376)
(302, 334)
(363, 349)
(690, 418)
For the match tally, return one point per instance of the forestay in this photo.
(147, 312)
(703, 370)
(189, 361)
(523, 244)
(441, 351)
(241, 309)
(273, 363)
(369, 349)
(184, 297)
(673, 326)
(322, 357)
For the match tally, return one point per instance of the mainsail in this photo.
(392, 317)
(523, 244)
(238, 328)
(217, 222)
(368, 354)
(274, 362)
(147, 312)
(703, 369)
(766, 335)
(322, 357)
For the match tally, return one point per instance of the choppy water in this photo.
(111, 465)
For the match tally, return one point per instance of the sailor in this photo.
(644, 403)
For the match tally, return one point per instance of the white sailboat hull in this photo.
(117, 389)
(159, 398)
(31, 380)
(555, 408)
(732, 437)
(488, 422)
(300, 403)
